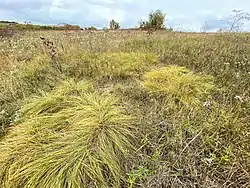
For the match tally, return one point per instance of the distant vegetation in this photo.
(7, 22)
(42, 27)
(114, 25)
(91, 28)
(155, 21)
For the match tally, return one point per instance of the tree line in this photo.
(155, 20)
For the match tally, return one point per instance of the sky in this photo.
(186, 15)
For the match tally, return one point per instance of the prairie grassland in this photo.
(124, 109)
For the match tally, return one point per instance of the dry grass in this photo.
(205, 144)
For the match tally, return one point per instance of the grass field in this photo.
(124, 109)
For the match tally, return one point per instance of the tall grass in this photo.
(22, 81)
(108, 65)
(181, 100)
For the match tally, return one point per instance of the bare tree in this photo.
(26, 22)
(204, 27)
(236, 23)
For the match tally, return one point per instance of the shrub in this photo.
(71, 137)
(178, 83)
(92, 28)
(106, 29)
(107, 65)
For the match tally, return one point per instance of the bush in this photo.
(71, 137)
(92, 28)
(178, 83)
(107, 65)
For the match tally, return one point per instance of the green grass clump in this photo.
(178, 83)
(71, 137)
(111, 65)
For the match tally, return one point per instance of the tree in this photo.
(26, 22)
(204, 27)
(113, 24)
(155, 20)
(236, 23)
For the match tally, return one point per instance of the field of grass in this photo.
(124, 109)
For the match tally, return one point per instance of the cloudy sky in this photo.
(189, 15)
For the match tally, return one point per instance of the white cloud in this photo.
(97, 12)
(188, 14)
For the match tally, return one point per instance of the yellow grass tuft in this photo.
(178, 83)
(71, 137)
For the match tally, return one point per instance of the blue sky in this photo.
(188, 15)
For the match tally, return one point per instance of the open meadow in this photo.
(124, 109)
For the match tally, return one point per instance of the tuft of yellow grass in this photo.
(178, 83)
(71, 137)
